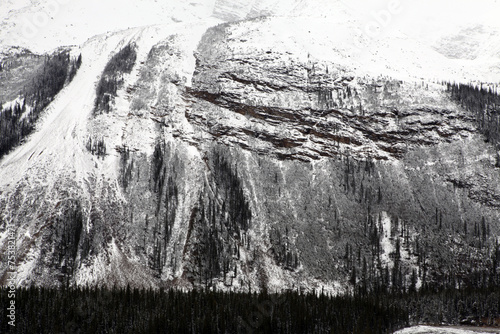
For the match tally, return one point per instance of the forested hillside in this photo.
(18, 119)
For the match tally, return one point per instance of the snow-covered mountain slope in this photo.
(285, 151)
(45, 25)
(55, 155)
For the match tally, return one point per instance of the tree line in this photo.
(484, 102)
(18, 120)
(127, 310)
(131, 310)
(112, 78)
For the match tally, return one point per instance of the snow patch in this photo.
(386, 240)
(441, 330)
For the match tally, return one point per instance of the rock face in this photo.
(248, 165)
(305, 109)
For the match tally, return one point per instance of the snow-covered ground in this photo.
(386, 242)
(447, 330)
(44, 25)
(403, 39)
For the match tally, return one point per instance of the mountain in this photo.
(249, 146)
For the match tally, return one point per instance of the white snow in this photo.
(43, 25)
(11, 104)
(111, 266)
(385, 241)
(58, 141)
(388, 245)
(25, 269)
(384, 36)
(445, 330)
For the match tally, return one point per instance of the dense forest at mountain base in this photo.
(101, 310)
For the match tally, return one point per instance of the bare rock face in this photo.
(261, 166)
(309, 109)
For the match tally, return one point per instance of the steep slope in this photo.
(55, 158)
(261, 153)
